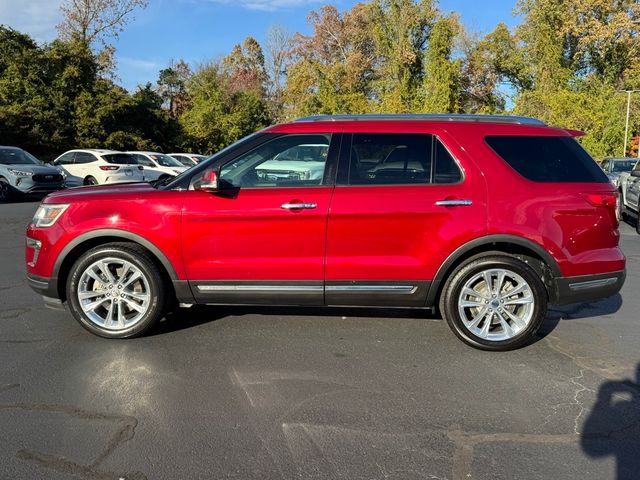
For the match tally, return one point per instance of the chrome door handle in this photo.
(298, 206)
(454, 203)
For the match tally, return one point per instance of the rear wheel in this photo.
(494, 303)
(90, 181)
(116, 291)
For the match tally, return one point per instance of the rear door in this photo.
(633, 189)
(401, 205)
(261, 239)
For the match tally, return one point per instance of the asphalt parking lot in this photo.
(253, 393)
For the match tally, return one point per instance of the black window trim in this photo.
(344, 166)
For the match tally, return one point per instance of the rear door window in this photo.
(120, 159)
(84, 157)
(400, 159)
(547, 158)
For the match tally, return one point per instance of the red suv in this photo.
(488, 218)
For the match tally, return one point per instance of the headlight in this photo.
(20, 173)
(48, 214)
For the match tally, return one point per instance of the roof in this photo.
(433, 117)
(101, 151)
(145, 152)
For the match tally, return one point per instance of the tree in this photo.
(245, 68)
(441, 84)
(95, 20)
(278, 46)
(220, 114)
(400, 29)
(171, 86)
(332, 70)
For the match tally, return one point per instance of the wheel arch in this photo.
(83, 243)
(508, 244)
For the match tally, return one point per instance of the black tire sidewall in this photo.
(89, 181)
(156, 307)
(451, 292)
(5, 185)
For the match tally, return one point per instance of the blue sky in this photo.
(200, 30)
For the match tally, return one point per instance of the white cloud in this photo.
(38, 18)
(139, 64)
(266, 5)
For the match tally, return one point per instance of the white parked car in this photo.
(188, 159)
(96, 167)
(302, 162)
(158, 165)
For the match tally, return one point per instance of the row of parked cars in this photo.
(21, 173)
(624, 173)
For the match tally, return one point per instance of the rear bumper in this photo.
(586, 288)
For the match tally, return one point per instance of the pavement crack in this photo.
(125, 432)
(576, 401)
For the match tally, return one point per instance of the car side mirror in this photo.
(635, 173)
(209, 182)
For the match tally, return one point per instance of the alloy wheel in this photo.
(496, 304)
(114, 294)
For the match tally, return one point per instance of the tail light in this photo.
(605, 200)
(108, 167)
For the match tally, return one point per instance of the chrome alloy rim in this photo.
(114, 294)
(496, 304)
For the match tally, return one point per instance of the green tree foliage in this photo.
(441, 84)
(220, 112)
(332, 70)
(580, 54)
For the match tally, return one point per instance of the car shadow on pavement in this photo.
(613, 426)
(575, 311)
(183, 318)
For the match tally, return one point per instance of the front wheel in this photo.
(494, 303)
(5, 190)
(116, 291)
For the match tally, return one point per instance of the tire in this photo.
(638, 222)
(90, 181)
(475, 319)
(5, 190)
(140, 301)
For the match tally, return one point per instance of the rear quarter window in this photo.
(547, 158)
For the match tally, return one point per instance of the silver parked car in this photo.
(22, 174)
(613, 167)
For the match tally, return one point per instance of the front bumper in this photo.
(32, 188)
(48, 288)
(586, 288)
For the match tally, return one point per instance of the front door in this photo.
(261, 239)
(401, 205)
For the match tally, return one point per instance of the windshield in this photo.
(165, 160)
(15, 156)
(620, 166)
(120, 159)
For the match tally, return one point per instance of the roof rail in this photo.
(434, 117)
